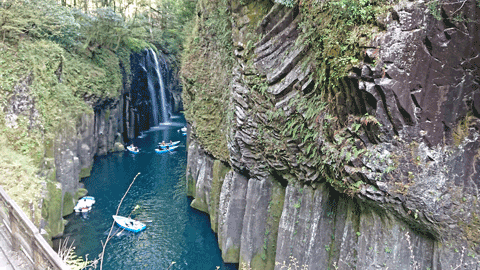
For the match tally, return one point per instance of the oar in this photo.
(136, 208)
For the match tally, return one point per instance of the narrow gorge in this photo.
(335, 139)
(340, 134)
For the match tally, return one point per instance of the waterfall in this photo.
(151, 88)
(156, 87)
(163, 95)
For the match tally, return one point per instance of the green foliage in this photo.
(434, 8)
(288, 3)
(38, 19)
(104, 27)
(170, 21)
(136, 45)
(70, 27)
(459, 15)
(355, 11)
(19, 171)
(461, 131)
(336, 30)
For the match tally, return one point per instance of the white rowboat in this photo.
(129, 224)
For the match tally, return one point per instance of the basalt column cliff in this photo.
(337, 135)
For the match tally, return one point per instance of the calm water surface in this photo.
(175, 232)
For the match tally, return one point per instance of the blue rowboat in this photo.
(129, 224)
(133, 149)
(161, 151)
(168, 144)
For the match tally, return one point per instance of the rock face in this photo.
(69, 155)
(394, 185)
(97, 133)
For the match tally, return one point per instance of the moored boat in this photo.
(164, 150)
(84, 204)
(129, 224)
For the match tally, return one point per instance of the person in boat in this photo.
(163, 142)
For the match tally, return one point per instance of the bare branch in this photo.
(104, 245)
(459, 8)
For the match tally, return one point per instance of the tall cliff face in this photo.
(59, 110)
(361, 162)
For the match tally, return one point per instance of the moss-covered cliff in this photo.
(58, 110)
(363, 113)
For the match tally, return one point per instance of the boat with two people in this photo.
(133, 149)
(84, 204)
(166, 149)
(129, 224)
(170, 144)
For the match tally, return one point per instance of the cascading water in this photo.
(151, 88)
(156, 88)
(163, 96)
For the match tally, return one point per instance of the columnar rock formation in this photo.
(394, 185)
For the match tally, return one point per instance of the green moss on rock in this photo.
(85, 172)
(118, 147)
(208, 60)
(191, 186)
(49, 149)
(219, 172)
(52, 210)
(80, 193)
(266, 258)
(199, 204)
(231, 255)
(68, 203)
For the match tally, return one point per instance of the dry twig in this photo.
(104, 245)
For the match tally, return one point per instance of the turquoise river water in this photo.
(175, 232)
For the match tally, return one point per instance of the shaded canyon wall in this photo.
(392, 186)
